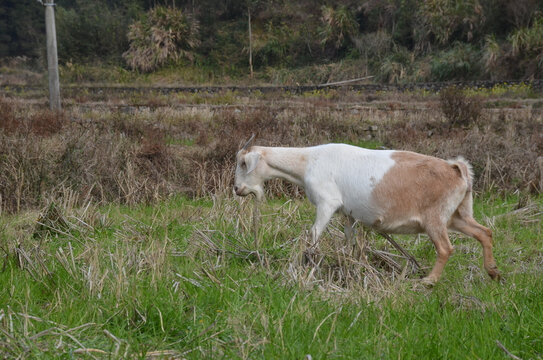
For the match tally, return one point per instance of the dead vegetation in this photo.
(132, 155)
(459, 110)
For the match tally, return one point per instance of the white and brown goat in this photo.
(391, 191)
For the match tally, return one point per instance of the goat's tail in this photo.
(465, 170)
(465, 208)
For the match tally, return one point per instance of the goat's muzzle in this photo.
(238, 191)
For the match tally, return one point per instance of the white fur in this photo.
(346, 176)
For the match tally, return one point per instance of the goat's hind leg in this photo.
(357, 250)
(440, 238)
(467, 225)
(350, 232)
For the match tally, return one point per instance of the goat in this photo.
(388, 190)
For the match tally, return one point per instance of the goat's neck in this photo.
(286, 163)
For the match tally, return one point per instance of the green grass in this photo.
(368, 143)
(185, 278)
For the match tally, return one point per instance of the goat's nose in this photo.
(235, 188)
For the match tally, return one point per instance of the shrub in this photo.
(461, 62)
(447, 20)
(394, 69)
(44, 123)
(527, 48)
(374, 45)
(279, 45)
(519, 56)
(163, 35)
(47, 123)
(339, 26)
(459, 109)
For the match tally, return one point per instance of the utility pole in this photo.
(250, 42)
(52, 57)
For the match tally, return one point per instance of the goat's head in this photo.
(249, 172)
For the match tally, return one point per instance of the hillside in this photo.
(305, 42)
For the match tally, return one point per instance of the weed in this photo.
(110, 261)
(520, 90)
(47, 123)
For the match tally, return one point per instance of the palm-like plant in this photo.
(442, 18)
(528, 40)
(339, 26)
(163, 35)
(491, 53)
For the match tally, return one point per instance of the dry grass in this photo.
(135, 154)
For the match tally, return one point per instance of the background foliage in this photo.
(396, 40)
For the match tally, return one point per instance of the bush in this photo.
(395, 68)
(461, 62)
(9, 122)
(115, 159)
(279, 45)
(374, 45)
(459, 109)
(163, 35)
(338, 26)
(448, 20)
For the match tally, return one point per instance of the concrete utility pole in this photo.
(250, 43)
(52, 57)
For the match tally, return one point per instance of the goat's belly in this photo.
(363, 213)
(366, 215)
(405, 226)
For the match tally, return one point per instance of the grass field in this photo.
(120, 237)
(185, 279)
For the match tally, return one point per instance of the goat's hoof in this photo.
(428, 281)
(494, 273)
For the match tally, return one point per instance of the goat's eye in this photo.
(243, 165)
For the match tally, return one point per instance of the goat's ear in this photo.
(251, 159)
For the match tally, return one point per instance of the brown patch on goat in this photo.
(419, 194)
(399, 191)
(425, 194)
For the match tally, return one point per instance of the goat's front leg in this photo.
(324, 214)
